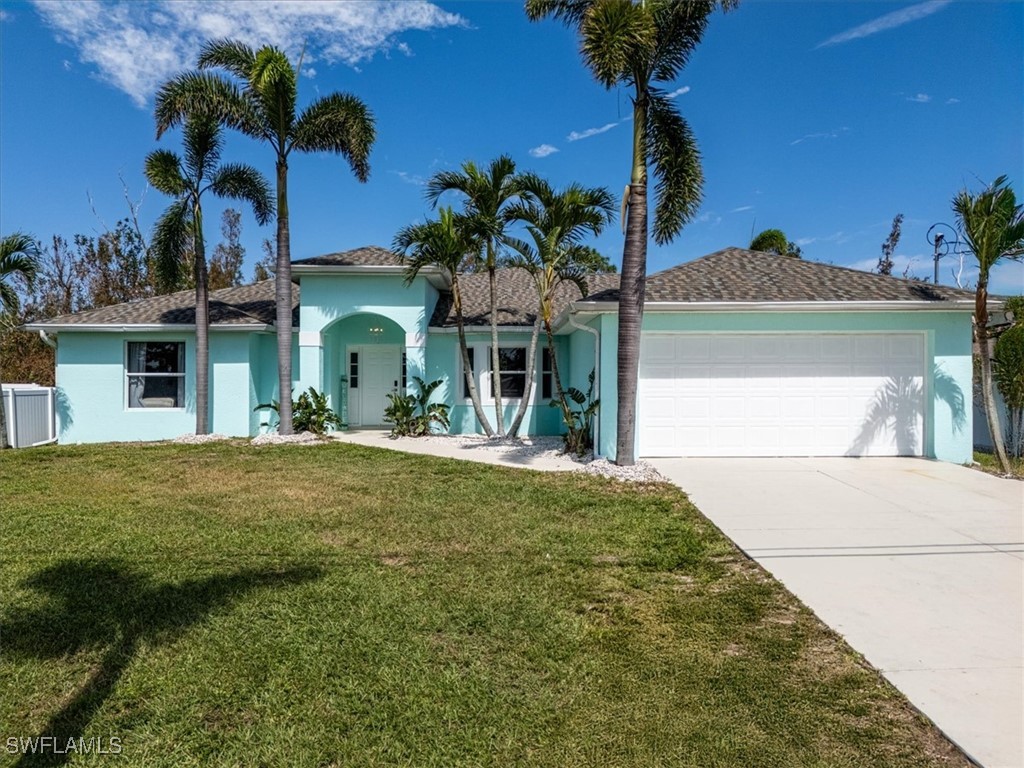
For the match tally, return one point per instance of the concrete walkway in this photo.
(543, 455)
(918, 564)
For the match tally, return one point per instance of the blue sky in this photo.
(824, 119)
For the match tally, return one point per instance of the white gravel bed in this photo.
(191, 439)
(272, 438)
(641, 472)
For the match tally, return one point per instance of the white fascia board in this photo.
(598, 307)
(480, 329)
(140, 327)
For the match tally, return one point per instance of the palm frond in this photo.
(992, 224)
(443, 242)
(339, 123)
(203, 142)
(571, 12)
(234, 56)
(673, 152)
(617, 40)
(172, 237)
(209, 94)
(681, 27)
(163, 171)
(19, 258)
(243, 182)
(273, 83)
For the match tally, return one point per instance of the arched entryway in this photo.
(364, 361)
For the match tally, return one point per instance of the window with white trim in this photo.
(512, 365)
(547, 385)
(353, 370)
(155, 372)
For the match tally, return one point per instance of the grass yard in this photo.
(987, 462)
(337, 605)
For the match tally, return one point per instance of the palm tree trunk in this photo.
(202, 327)
(631, 291)
(555, 375)
(991, 411)
(531, 363)
(467, 368)
(499, 415)
(283, 300)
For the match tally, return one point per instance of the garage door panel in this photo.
(781, 394)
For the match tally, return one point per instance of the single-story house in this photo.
(742, 354)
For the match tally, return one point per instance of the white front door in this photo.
(379, 373)
(795, 394)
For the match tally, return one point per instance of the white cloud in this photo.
(409, 178)
(709, 217)
(920, 98)
(309, 72)
(577, 135)
(742, 208)
(888, 21)
(67, 65)
(953, 101)
(137, 46)
(678, 92)
(802, 241)
(4, 15)
(543, 150)
(833, 134)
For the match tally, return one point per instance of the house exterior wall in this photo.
(948, 431)
(91, 391)
(443, 363)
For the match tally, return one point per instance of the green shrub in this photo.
(310, 413)
(415, 415)
(1008, 372)
(579, 436)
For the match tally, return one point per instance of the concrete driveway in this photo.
(918, 564)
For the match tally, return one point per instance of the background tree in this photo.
(488, 193)
(261, 102)
(264, 269)
(1008, 372)
(885, 262)
(639, 46)
(556, 222)
(445, 243)
(19, 261)
(775, 241)
(179, 231)
(229, 255)
(993, 227)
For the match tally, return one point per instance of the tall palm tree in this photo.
(179, 231)
(556, 222)
(641, 44)
(19, 260)
(261, 102)
(445, 243)
(992, 223)
(488, 193)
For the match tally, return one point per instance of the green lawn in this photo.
(988, 462)
(338, 605)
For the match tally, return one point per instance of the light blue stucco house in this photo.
(742, 354)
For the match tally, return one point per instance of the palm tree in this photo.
(556, 222)
(488, 193)
(19, 259)
(261, 102)
(638, 45)
(179, 231)
(992, 224)
(445, 243)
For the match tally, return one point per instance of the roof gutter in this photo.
(44, 328)
(591, 307)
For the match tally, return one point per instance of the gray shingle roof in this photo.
(367, 256)
(517, 298)
(736, 274)
(246, 304)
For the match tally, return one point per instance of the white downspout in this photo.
(597, 375)
(47, 340)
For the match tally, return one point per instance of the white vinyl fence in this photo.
(31, 414)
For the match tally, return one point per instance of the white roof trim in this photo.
(486, 328)
(141, 327)
(956, 305)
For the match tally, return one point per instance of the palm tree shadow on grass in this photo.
(898, 405)
(104, 603)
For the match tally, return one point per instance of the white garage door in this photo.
(781, 394)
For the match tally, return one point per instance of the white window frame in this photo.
(482, 375)
(128, 375)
